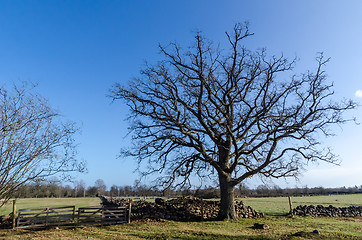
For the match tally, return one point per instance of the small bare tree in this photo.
(101, 187)
(205, 110)
(34, 143)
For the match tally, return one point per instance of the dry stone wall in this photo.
(6, 221)
(181, 209)
(330, 211)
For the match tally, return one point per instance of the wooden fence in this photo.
(93, 215)
(44, 217)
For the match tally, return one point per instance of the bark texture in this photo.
(227, 203)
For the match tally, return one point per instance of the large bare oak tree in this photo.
(34, 141)
(236, 112)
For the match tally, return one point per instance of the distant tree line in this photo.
(54, 189)
(274, 191)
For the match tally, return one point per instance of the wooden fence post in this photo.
(14, 214)
(46, 218)
(79, 212)
(290, 206)
(129, 211)
(202, 209)
(73, 214)
(103, 218)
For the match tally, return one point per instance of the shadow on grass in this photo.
(193, 235)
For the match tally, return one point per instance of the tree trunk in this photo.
(227, 205)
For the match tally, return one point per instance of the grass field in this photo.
(276, 206)
(281, 227)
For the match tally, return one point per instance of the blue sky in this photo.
(75, 51)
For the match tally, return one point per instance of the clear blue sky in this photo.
(75, 51)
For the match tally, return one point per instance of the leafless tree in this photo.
(79, 188)
(101, 186)
(34, 142)
(207, 110)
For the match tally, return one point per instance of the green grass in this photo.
(26, 203)
(281, 227)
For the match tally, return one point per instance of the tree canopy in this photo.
(34, 141)
(234, 112)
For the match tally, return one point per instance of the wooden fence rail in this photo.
(44, 217)
(102, 215)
